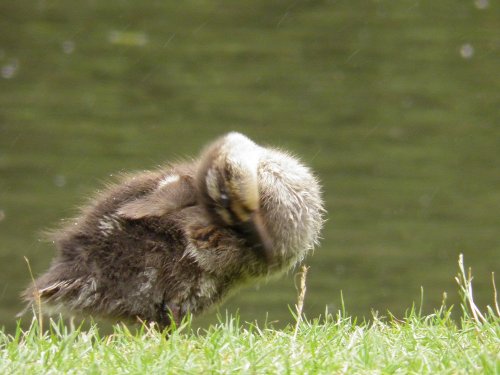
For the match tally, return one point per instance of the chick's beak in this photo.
(258, 229)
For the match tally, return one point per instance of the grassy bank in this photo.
(431, 344)
(418, 344)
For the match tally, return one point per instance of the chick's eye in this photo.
(224, 200)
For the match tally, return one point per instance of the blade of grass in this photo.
(38, 300)
(495, 295)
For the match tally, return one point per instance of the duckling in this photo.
(159, 244)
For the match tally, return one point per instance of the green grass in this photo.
(417, 344)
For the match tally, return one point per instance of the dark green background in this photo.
(393, 103)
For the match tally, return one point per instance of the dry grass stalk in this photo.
(464, 281)
(299, 307)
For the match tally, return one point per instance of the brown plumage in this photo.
(162, 243)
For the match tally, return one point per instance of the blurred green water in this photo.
(393, 104)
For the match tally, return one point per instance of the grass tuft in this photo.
(430, 344)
